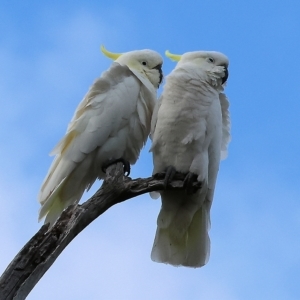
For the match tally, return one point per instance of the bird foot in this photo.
(190, 178)
(126, 165)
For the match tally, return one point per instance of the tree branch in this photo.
(37, 256)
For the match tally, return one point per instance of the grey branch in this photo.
(37, 256)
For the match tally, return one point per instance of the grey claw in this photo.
(190, 178)
(170, 172)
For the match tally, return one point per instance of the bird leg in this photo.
(126, 165)
(190, 178)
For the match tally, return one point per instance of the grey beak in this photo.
(224, 79)
(158, 67)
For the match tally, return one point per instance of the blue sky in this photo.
(49, 56)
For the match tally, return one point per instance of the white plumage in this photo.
(190, 130)
(112, 122)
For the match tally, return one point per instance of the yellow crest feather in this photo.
(174, 57)
(108, 54)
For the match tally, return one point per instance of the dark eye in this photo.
(144, 63)
(211, 60)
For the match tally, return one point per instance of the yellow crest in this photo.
(111, 55)
(173, 57)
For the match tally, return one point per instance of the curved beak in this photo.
(225, 77)
(159, 68)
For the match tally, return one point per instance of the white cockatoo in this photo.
(190, 132)
(111, 124)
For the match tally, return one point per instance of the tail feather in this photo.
(59, 200)
(54, 211)
(198, 242)
(183, 240)
(168, 250)
(68, 191)
(52, 202)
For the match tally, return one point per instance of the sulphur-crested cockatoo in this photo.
(190, 131)
(111, 123)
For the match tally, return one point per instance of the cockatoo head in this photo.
(210, 61)
(146, 62)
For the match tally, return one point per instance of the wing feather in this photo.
(104, 111)
(226, 125)
(154, 115)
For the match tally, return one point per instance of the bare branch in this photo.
(37, 256)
